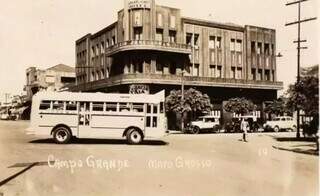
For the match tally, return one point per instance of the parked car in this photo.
(204, 123)
(280, 123)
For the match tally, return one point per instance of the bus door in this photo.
(152, 128)
(84, 119)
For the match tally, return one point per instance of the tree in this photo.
(195, 103)
(305, 95)
(239, 106)
(278, 107)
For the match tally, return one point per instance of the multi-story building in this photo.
(51, 79)
(152, 47)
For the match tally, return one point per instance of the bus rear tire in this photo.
(61, 135)
(134, 136)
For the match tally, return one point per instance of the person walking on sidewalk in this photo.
(244, 129)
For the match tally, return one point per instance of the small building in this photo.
(52, 79)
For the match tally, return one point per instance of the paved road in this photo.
(205, 164)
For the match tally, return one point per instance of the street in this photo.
(204, 164)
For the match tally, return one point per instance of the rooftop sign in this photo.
(137, 4)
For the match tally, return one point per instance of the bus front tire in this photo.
(61, 135)
(134, 136)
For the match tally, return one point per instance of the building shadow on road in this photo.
(299, 150)
(102, 142)
(309, 145)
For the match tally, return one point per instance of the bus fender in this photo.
(61, 125)
(132, 127)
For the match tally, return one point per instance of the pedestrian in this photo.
(244, 128)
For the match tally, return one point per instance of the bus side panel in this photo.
(114, 126)
(49, 121)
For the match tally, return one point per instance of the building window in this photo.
(219, 71)
(196, 54)
(239, 57)
(113, 40)
(212, 71)
(253, 74)
(272, 49)
(195, 70)
(172, 36)
(267, 75)
(107, 43)
(253, 47)
(212, 42)
(159, 19)
(159, 67)
(232, 44)
(92, 76)
(102, 74)
(233, 72)
(273, 76)
(172, 22)
(173, 68)
(189, 39)
(267, 49)
(102, 48)
(239, 73)
(259, 48)
(239, 45)
(138, 33)
(137, 18)
(93, 51)
(159, 35)
(212, 56)
(97, 50)
(259, 74)
(196, 40)
(102, 60)
(218, 42)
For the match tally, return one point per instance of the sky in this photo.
(42, 33)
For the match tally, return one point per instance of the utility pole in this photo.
(182, 100)
(299, 41)
(6, 101)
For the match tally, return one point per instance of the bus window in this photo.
(148, 121)
(97, 106)
(45, 105)
(155, 109)
(154, 121)
(111, 107)
(137, 107)
(161, 107)
(71, 106)
(124, 107)
(58, 106)
(148, 108)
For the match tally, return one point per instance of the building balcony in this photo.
(127, 79)
(148, 45)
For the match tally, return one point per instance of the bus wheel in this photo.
(61, 135)
(276, 129)
(134, 136)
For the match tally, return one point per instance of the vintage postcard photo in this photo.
(159, 97)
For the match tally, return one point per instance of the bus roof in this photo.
(101, 97)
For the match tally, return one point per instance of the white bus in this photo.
(98, 115)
